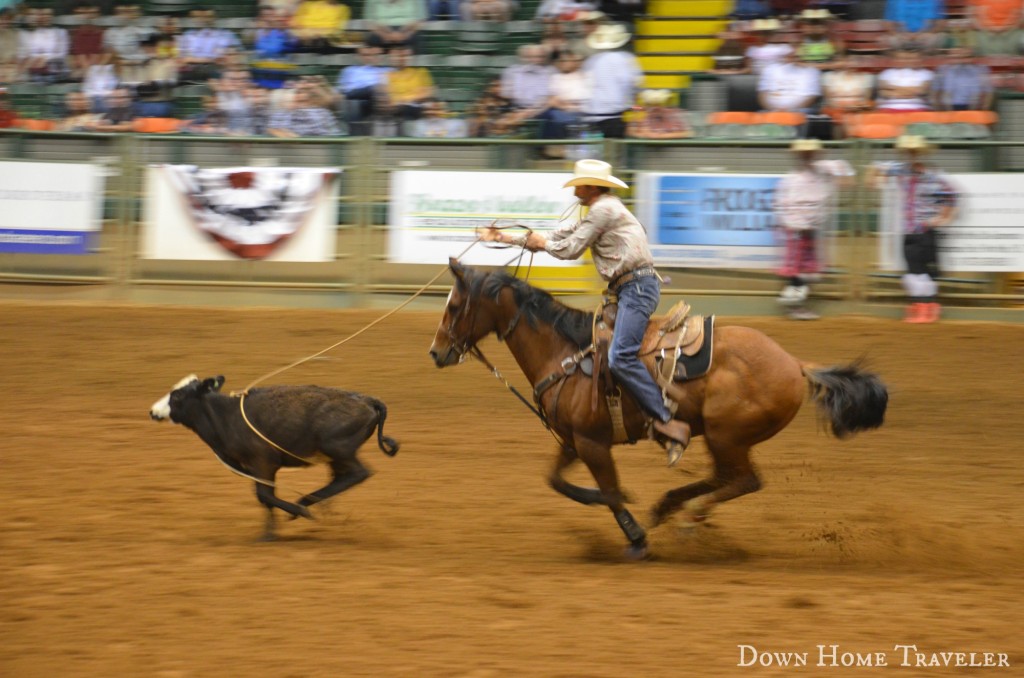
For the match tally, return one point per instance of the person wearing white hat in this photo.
(615, 77)
(618, 243)
(804, 207)
(929, 202)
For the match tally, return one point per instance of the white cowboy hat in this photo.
(655, 97)
(806, 145)
(592, 15)
(815, 14)
(766, 25)
(594, 173)
(608, 36)
(910, 142)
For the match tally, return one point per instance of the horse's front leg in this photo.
(584, 495)
(598, 458)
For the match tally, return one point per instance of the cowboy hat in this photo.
(815, 15)
(592, 15)
(608, 36)
(806, 145)
(766, 25)
(594, 173)
(910, 142)
(655, 97)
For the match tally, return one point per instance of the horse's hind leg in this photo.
(673, 500)
(735, 476)
(598, 458)
(348, 473)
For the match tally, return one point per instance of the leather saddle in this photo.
(677, 331)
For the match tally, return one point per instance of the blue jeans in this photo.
(638, 299)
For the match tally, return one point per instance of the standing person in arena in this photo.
(928, 202)
(804, 208)
(623, 257)
(615, 76)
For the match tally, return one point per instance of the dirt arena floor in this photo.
(128, 550)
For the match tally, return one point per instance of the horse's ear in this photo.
(458, 270)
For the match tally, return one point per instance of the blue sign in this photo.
(25, 241)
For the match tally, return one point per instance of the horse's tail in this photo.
(849, 397)
(388, 445)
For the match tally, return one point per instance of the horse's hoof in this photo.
(637, 552)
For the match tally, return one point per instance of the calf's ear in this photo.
(213, 383)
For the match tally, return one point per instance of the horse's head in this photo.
(191, 387)
(466, 319)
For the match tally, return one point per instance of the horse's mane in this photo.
(538, 306)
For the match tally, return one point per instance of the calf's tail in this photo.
(388, 445)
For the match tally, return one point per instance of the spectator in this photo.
(211, 121)
(615, 77)
(125, 38)
(272, 42)
(232, 101)
(816, 47)
(929, 203)
(589, 22)
(9, 45)
(846, 91)
(43, 49)
(569, 90)
(202, 50)
(362, 84)
(768, 45)
(7, 115)
(747, 10)
(566, 10)
(153, 80)
(492, 114)
(77, 115)
(436, 123)
(658, 118)
(527, 85)
(395, 23)
(489, 10)
(914, 15)
(805, 206)
(444, 10)
(85, 41)
(168, 30)
(119, 115)
(730, 57)
(305, 118)
(961, 84)
(554, 40)
(789, 85)
(904, 88)
(406, 87)
(996, 16)
(319, 25)
(100, 81)
(623, 11)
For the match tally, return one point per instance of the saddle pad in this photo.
(697, 365)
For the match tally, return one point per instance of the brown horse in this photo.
(752, 391)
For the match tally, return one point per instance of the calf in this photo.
(287, 426)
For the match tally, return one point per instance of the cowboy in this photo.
(929, 202)
(619, 246)
(615, 76)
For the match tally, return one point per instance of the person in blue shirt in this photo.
(360, 84)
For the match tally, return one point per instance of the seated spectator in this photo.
(168, 30)
(658, 118)
(362, 84)
(615, 77)
(914, 15)
(202, 50)
(272, 42)
(85, 41)
(211, 121)
(77, 115)
(789, 85)
(996, 16)
(120, 113)
(406, 86)
(43, 48)
(444, 10)
(528, 84)
(436, 123)
(305, 118)
(125, 38)
(959, 33)
(395, 23)
(488, 10)
(153, 80)
(230, 91)
(846, 91)
(319, 25)
(961, 84)
(769, 46)
(490, 115)
(100, 81)
(816, 46)
(569, 90)
(589, 22)
(9, 44)
(554, 40)
(905, 87)
(730, 57)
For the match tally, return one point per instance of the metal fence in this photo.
(360, 270)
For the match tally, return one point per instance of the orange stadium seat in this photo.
(876, 130)
(156, 125)
(930, 117)
(987, 118)
(732, 118)
(786, 118)
(36, 125)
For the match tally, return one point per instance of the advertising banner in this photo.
(253, 213)
(710, 220)
(434, 214)
(50, 208)
(987, 233)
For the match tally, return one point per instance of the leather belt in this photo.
(642, 272)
